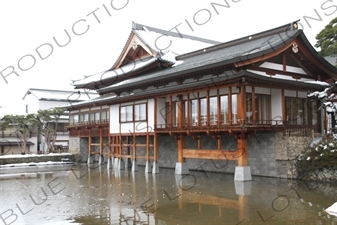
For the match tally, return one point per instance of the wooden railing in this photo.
(223, 125)
(88, 123)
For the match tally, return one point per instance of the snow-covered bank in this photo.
(35, 160)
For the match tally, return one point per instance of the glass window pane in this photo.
(86, 117)
(203, 112)
(234, 108)
(213, 110)
(75, 118)
(224, 109)
(194, 112)
(97, 116)
(249, 109)
(129, 113)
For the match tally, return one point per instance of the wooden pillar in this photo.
(147, 147)
(128, 145)
(89, 142)
(219, 142)
(242, 151)
(181, 137)
(155, 153)
(241, 104)
(219, 107)
(199, 142)
(253, 106)
(171, 112)
(208, 109)
(134, 147)
(100, 142)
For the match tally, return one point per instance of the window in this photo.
(301, 111)
(132, 113)
(262, 108)
(60, 127)
(104, 115)
(224, 109)
(203, 111)
(140, 112)
(234, 108)
(175, 109)
(194, 112)
(213, 110)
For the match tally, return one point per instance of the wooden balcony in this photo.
(88, 124)
(222, 126)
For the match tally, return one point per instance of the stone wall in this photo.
(269, 154)
(287, 148)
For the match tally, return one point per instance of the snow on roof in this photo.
(134, 65)
(59, 95)
(176, 45)
(167, 44)
(285, 77)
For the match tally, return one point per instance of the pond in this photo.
(77, 194)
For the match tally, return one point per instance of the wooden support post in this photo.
(100, 142)
(181, 138)
(208, 108)
(89, 143)
(199, 142)
(147, 147)
(155, 150)
(242, 151)
(253, 106)
(128, 145)
(219, 142)
(181, 146)
(219, 108)
(171, 112)
(241, 104)
(134, 147)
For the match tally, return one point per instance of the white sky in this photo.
(27, 24)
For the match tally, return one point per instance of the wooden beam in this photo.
(284, 62)
(210, 154)
(89, 142)
(264, 57)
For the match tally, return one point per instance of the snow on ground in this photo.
(33, 155)
(39, 164)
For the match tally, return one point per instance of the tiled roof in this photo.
(59, 95)
(166, 43)
(234, 53)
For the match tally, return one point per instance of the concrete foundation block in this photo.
(242, 173)
(90, 160)
(134, 167)
(243, 188)
(116, 162)
(110, 163)
(182, 168)
(120, 164)
(147, 167)
(127, 163)
(155, 167)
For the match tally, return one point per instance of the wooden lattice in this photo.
(299, 132)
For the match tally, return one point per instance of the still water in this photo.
(80, 195)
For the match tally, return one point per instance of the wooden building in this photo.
(175, 100)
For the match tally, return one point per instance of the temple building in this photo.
(184, 102)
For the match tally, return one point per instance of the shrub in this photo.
(320, 156)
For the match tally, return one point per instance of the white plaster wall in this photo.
(114, 119)
(261, 90)
(51, 104)
(150, 114)
(32, 102)
(302, 94)
(289, 93)
(127, 127)
(161, 112)
(276, 104)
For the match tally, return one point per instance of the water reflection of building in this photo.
(202, 100)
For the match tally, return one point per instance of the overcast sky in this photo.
(25, 25)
